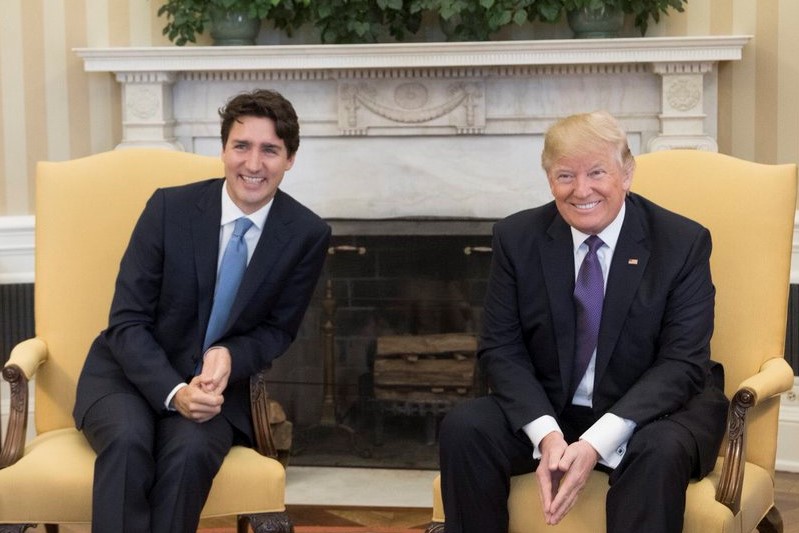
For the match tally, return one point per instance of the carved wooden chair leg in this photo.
(268, 522)
(771, 523)
(242, 524)
(435, 527)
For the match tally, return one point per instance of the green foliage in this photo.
(643, 10)
(288, 15)
(188, 18)
(470, 20)
(369, 21)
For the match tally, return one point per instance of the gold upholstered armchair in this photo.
(85, 213)
(749, 209)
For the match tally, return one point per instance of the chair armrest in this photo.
(774, 378)
(25, 359)
(28, 356)
(259, 404)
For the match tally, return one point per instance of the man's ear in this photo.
(291, 161)
(627, 180)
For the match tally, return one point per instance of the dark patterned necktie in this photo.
(589, 293)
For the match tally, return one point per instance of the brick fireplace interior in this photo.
(402, 281)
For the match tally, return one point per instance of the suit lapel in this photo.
(205, 236)
(626, 271)
(557, 262)
(274, 237)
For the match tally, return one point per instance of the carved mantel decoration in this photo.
(375, 117)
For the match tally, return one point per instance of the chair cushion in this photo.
(53, 482)
(702, 513)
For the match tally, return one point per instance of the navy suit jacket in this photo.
(653, 353)
(164, 293)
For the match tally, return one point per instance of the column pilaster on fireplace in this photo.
(682, 117)
(148, 118)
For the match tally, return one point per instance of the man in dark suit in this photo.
(639, 398)
(162, 396)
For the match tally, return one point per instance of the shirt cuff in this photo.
(538, 429)
(609, 436)
(168, 402)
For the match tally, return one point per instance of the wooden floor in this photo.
(787, 500)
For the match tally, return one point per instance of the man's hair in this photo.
(576, 133)
(266, 104)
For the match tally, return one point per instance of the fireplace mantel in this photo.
(649, 50)
(425, 129)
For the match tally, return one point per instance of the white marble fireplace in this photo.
(425, 129)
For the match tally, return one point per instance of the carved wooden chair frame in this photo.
(14, 446)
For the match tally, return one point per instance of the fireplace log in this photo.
(425, 368)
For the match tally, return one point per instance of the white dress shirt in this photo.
(609, 435)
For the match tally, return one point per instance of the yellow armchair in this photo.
(85, 212)
(749, 209)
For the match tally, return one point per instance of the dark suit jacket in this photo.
(653, 353)
(164, 292)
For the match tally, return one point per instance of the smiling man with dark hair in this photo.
(211, 289)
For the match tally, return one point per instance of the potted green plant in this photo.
(232, 22)
(598, 11)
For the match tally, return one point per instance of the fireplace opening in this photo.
(388, 344)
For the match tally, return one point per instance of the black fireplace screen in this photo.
(386, 349)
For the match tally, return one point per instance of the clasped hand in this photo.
(562, 474)
(202, 399)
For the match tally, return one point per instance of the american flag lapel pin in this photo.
(632, 261)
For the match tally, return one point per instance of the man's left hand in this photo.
(216, 370)
(577, 462)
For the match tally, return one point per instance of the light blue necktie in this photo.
(234, 263)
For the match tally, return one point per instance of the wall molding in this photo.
(17, 249)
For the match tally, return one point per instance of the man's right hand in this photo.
(195, 404)
(562, 474)
(548, 474)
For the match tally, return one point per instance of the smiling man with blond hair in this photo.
(596, 348)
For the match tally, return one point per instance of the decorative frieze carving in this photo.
(414, 106)
(147, 106)
(682, 116)
(683, 93)
(142, 102)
